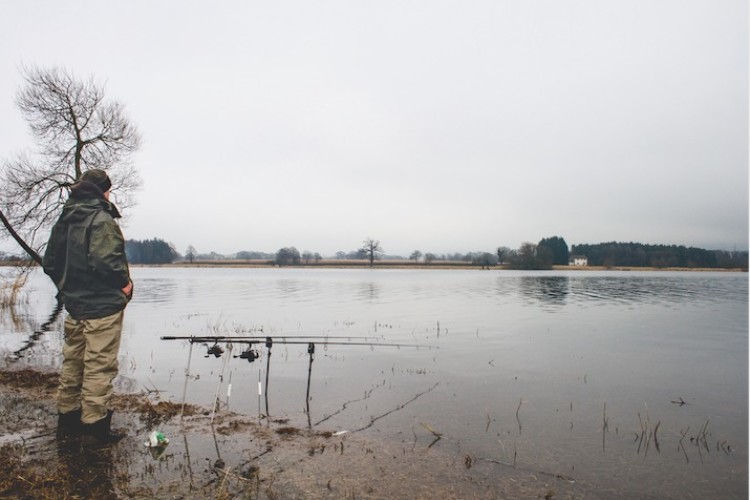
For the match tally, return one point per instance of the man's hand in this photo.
(128, 289)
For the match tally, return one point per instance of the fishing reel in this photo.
(249, 354)
(216, 350)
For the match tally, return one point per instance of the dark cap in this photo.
(98, 177)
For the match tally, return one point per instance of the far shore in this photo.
(387, 264)
(409, 264)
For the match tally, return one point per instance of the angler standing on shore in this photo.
(85, 257)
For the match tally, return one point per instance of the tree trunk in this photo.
(19, 240)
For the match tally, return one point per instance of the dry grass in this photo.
(11, 289)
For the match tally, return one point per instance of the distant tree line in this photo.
(554, 250)
(253, 255)
(543, 255)
(643, 255)
(13, 258)
(288, 256)
(528, 257)
(154, 251)
(548, 252)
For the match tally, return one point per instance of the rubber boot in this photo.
(69, 424)
(101, 431)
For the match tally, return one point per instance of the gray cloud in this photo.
(440, 126)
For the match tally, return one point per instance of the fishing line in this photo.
(224, 364)
(187, 376)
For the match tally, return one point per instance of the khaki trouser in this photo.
(89, 365)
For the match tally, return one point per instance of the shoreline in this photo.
(235, 456)
(397, 264)
(422, 266)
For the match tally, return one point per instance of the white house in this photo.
(578, 260)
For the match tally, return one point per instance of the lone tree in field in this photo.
(372, 250)
(190, 253)
(75, 128)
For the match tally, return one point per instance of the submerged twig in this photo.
(430, 429)
(645, 434)
(562, 477)
(438, 436)
(520, 402)
(702, 439)
(681, 445)
(399, 407)
(344, 406)
(605, 426)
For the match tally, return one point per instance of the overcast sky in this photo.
(440, 126)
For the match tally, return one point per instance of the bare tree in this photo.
(502, 254)
(190, 253)
(371, 249)
(75, 128)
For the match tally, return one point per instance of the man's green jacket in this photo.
(85, 256)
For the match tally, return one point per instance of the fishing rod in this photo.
(280, 338)
(251, 354)
(268, 341)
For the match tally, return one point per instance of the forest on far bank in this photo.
(641, 255)
(548, 252)
(545, 254)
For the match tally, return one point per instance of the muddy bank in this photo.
(236, 456)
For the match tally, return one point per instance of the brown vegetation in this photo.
(236, 457)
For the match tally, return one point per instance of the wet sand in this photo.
(236, 456)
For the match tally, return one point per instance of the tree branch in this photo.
(19, 240)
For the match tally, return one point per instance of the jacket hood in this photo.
(85, 189)
(85, 199)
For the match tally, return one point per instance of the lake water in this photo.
(632, 384)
